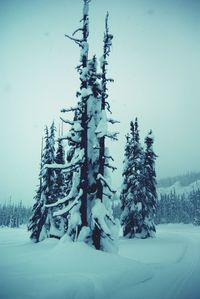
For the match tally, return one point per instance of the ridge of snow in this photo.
(179, 189)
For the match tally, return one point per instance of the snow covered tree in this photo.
(132, 194)
(41, 220)
(87, 206)
(126, 172)
(138, 195)
(13, 215)
(150, 200)
(194, 200)
(39, 212)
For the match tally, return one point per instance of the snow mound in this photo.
(63, 270)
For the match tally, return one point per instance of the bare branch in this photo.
(108, 106)
(113, 121)
(71, 109)
(108, 195)
(79, 29)
(110, 166)
(109, 157)
(78, 41)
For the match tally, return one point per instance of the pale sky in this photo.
(155, 62)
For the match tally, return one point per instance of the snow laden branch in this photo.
(72, 194)
(68, 208)
(112, 136)
(105, 182)
(99, 216)
(66, 121)
(76, 162)
(102, 128)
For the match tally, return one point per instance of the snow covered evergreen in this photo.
(41, 219)
(87, 206)
(14, 215)
(179, 208)
(138, 195)
(150, 202)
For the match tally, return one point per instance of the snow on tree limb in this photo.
(69, 138)
(99, 213)
(105, 181)
(77, 127)
(66, 121)
(112, 136)
(72, 194)
(76, 161)
(70, 206)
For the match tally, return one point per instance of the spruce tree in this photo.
(39, 212)
(41, 220)
(150, 201)
(132, 194)
(138, 195)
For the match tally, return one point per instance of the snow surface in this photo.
(166, 267)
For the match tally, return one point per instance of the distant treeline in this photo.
(174, 208)
(13, 215)
(184, 180)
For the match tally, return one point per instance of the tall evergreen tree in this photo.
(39, 212)
(41, 219)
(88, 212)
(150, 201)
(132, 195)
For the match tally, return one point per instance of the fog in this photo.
(155, 62)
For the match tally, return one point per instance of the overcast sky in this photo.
(155, 62)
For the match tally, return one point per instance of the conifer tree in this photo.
(13, 215)
(132, 195)
(126, 172)
(138, 194)
(39, 212)
(41, 220)
(150, 187)
(89, 214)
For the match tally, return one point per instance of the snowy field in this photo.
(167, 267)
